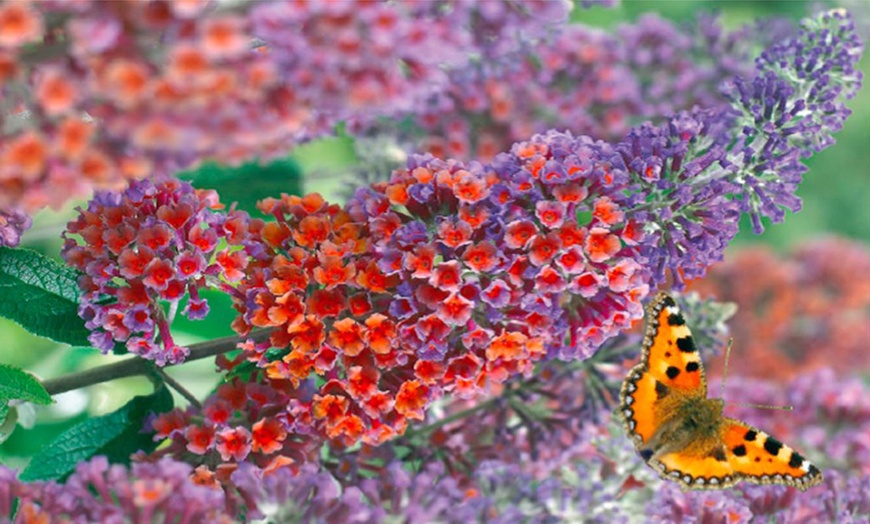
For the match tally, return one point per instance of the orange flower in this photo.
(326, 303)
(54, 93)
(73, 136)
(508, 346)
(420, 261)
(481, 257)
(307, 335)
(330, 407)
(470, 188)
(428, 371)
(125, 82)
(543, 248)
(519, 233)
(382, 333)
(223, 37)
(348, 336)
(362, 381)
(601, 244)
(607, 211)
(332, 271)
(19, 24)
(26, 155)
(267, 436)
(411, 399)
(311, 231)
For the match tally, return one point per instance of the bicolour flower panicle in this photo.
(450, 278)
(98, 492)
(96, 93)
(142, 252)
(790, 109)
(583, 80)
(817, 296)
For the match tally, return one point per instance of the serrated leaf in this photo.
(247, 183)
(116, 435)
(17, 384)
(41, 295)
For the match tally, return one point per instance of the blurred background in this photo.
(835, 197)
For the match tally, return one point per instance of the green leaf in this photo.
(41, 295)
(4, 412)
(247, 183)
(116, 435)
(18, 384)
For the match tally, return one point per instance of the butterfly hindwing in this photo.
(711, 471)
(757, 457)
(670, 361)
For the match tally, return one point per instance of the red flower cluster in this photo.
(797, 313)
(151, 245)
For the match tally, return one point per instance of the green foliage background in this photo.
(835, 194)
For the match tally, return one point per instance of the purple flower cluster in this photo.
(154, 243)
(98, 492)
(12, 224)
(790, 109)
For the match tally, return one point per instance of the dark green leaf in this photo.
(247, 183)
(41, 295)
(18, 384)
(116, 435)
(4, 412)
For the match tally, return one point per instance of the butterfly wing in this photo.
(670, 362)
(693, 471)
(757, 457)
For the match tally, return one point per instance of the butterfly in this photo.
(681, 433)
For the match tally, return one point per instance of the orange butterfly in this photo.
(681, 433)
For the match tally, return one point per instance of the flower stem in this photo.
(137, 366)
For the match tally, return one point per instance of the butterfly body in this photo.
(682, 433)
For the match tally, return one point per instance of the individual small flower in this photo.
(233, 443)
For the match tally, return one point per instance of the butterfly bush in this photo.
(374, 330)
(95, 94)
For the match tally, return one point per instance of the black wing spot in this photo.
(750, 435)
(676, 319)
(692, 366)
(669, 302)
(646, 454)
(796, 460)
(772, 446)
(814, 471)
(740, 450)
(686, 344)
(672, 372)
(662, 390)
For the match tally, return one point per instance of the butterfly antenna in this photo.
(722, 386)
(725, 371)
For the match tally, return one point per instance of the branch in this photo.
(138, 366)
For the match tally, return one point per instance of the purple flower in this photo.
(13, 223)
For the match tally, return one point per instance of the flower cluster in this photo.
(790, 110)
(95, 94)
(586, 81)
(243, 422)
(792, 307)
(154, 243)
(448, 279)
(98, 492)
(12, 224)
